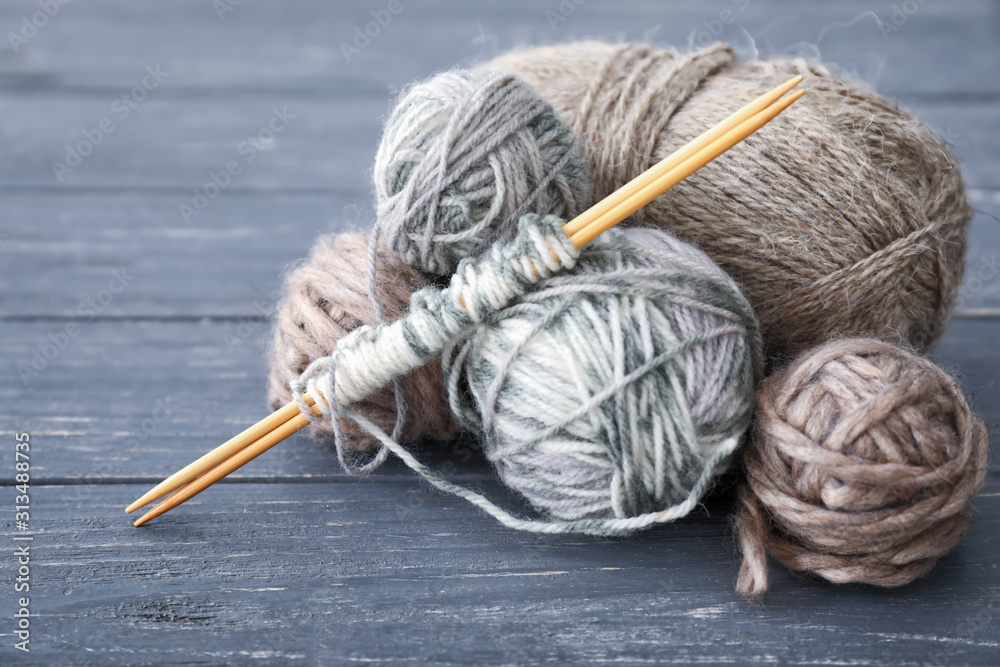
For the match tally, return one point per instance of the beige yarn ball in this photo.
(860, 469)
(842, 217)
(326, 298)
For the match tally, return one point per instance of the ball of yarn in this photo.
(326, 298)
(842, 217)
(463, 155)
(860, 469)
(616, 389)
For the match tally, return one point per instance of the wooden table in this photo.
(152, 328)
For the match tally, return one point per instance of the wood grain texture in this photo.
(105, 397)
(231, 262)
(295, 45)
(291, 561)
(329, 573)
(328, 145)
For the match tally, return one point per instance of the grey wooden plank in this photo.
(104, 398)
(178, 144)
(140, 399)
(386, 572)
(330, 144)
(227, 263)
(297, 45)
(292, 561)
(137, 400)
(230, 262)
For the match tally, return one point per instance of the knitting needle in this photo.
(614, 215)
(243, 457)
(677, 157)
(671, 178)
(206, 470)
(219, 454)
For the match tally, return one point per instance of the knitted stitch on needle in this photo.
(368, 358)
(609, 388)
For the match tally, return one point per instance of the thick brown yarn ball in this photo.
(326, 298)
(861, 467)
(842, 217)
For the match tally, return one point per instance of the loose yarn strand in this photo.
(529, 276)
(399, 396)
(605, 527)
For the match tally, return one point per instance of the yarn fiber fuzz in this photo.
(325, 299)
(860, 469)
(844, 216)
(463, 155)
(614, 390)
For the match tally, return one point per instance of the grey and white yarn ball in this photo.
(616, 390)
(463, 155)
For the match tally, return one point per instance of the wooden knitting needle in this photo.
(220, 454)
(269, 432)
(674, 176)
(666, 164)
(244, 456)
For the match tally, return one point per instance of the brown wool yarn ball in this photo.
(844, 216)
(860, 469)
(326, 298)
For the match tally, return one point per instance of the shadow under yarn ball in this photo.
(616, 389)
(326, 298)
(463, 155)
(860, 469)
(842, 217)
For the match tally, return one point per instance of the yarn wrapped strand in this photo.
(647, 351)
(844, 217)
(860, 469)
(463, 155)
(324, 299)
(369, 357)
